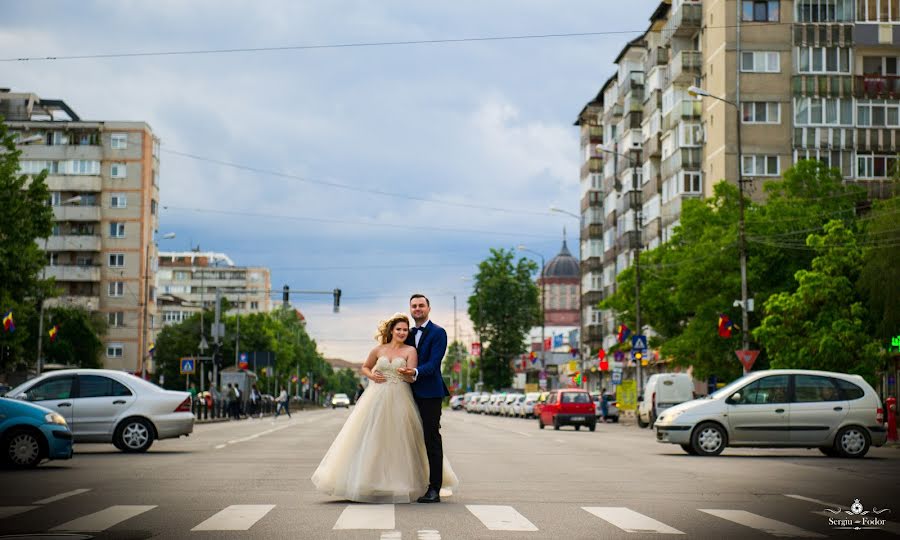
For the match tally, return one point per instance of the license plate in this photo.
(578, 419)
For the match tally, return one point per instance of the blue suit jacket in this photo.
(431, 350)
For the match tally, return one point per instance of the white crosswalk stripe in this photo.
(761, 523)
(501, 518)
(366, 516)
(62, 496)
(429, 534)
(7, 511)
(630, 521)
(237, 517)
(104, 519)
(391, 535)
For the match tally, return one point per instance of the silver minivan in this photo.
(837, 413)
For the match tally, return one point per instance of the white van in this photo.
(663, 390)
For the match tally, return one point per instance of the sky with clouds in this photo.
(437, 130)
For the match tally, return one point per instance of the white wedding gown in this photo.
(379, 455)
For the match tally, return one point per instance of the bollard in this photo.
(891, 405)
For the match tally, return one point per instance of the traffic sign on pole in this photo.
(187, 366)
(639, 343)
(747, 358)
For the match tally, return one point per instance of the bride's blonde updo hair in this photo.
(386, 327)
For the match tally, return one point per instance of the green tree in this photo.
(821, 325)
(344, 381)
(879, 280)
(77, 341)
(456, 352)
(503, 308)
(25, 215)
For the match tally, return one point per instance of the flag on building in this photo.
(623, 333)
(151, 349)
(533, 356)
(8, 323)
(548, 343)
(725, 326)
(294, 379)
(53, 332)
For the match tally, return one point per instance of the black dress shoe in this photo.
(431, 496)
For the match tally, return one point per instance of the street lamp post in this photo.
(543, 308)
(581, 318)
(638, 224)
(144, 353)
(742, 243)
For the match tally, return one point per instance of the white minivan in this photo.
(663, 390)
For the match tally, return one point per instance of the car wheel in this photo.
(615, 419)
(852, 442)
(689, 449)
(540, 423)
(556, 423)
(828, 451)
(22, 448)
(641, 423)
(135, 435)
(577, 428)
(592, 427)
(708, 439)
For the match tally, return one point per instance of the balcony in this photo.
(831, 138)
(653, 146)
(73, 273)
(685, 67)
(656, 57)
(594, 198)
(822, 85)
(653, 103)
(593, 165)
(90, 303)
(592, 230)
(629, 240)
(63, 152)
(591, 264)
(686, 109)
(76, 183)
(684, 158)
(76, 213)
(594, 332)
(683, 22)
(591, 134)
(630, 200)
(72, 243)
(832, 34)
(615, 111)
(877, 139)
(876, 86)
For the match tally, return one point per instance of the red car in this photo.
(568, 407)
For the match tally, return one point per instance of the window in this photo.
(118, 170)
(823, 59)
(690, 135)
(50, 389)
(824, 11)
(761, 112)
(118, 200)
(761, 165)
(116, 229)
(116, 319)
(823, 112)
(55, 198)
(692, 182)
(576, 397)
(877, 113)
(118, 141)
(153, 205)
(53, 259)
(849, 391)
(760, 10)
(772, 389)
(116, 260)
(116, 288)
(98, 386)
(115, 350)
(254, 305)
(878, 10)
(813, 388)
(81, 167)
(875, 166)
(760, 62)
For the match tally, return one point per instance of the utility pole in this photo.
(638, 222)
(237, 338)
(456, 341)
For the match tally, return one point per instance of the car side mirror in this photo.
(735, 398)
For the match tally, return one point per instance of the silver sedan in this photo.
(107, 406)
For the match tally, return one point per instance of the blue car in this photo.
(30, 434)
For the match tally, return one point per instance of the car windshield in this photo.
(340, 396)
(728, 388)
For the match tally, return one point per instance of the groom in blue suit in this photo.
(429, 390)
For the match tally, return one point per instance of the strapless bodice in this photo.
(389, 366)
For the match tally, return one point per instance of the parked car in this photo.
(518, 406)
(456, 402)
(29, 434)
(340, 400)
(539, 404)
(837, 413)
(4, 388)
(494, 403)
(663, 390)
(506, 406)
(528, 404)
(568, 407)
(108, 406)
(483, 404)
(612, 406)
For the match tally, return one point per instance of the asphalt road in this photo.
(250, 479)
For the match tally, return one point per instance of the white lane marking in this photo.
(237, 517)
(891, 526)
(501, 518)
(370, 516)
(7, 511)
(560, 441)
(257, 435)
(817, 501)
(429, 534)
(391, 535)
(523, 434)
(104, 519)
(760, 523)
(630, 521)
(220, 446)
(62, 496)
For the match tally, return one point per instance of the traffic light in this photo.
(337, 300)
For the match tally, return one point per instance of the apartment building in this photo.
(812, 79)
(103, 178)
(189, 280)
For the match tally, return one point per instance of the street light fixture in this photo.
(581, 318)
(543, 302)
(742, 243)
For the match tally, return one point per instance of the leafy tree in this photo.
(822, 324)
(344, 381)
(77, 341)
(503, 308)
(24, 217)
(879, 280)
(457, 352)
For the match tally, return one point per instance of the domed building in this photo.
(561, 282)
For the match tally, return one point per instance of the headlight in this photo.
(53, 418)
(670, 417)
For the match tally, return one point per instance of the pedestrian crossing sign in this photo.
(187, 366)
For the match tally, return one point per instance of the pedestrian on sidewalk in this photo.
(359, 392)
(229, 401)
(237, 402)
(604, 405)
(283, 403)
(255, 398)
(215, 400)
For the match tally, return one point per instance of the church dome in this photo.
(563, 265)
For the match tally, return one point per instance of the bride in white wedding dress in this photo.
(379, 455)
